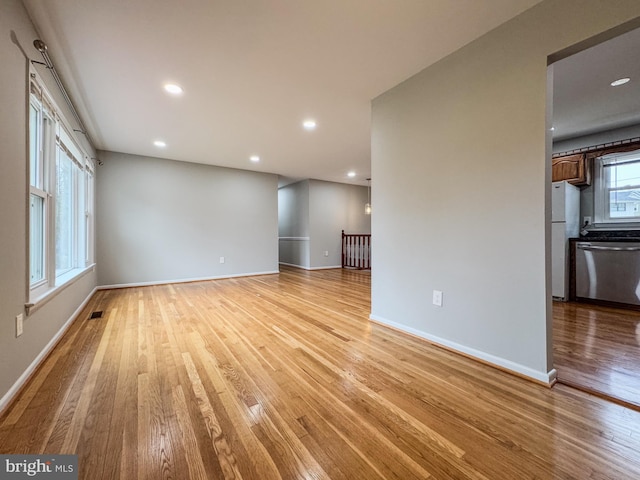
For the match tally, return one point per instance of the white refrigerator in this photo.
(565, 224)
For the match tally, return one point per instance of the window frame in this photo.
(54, 139)
(45, 144)
(602, 189)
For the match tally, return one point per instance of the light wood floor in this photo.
(283, 376)
(598, 348)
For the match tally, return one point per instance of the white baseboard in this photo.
(183, 280)
(547, 378)
(310, 268)
(15, 388)
(294, 265)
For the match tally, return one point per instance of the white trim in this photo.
(75, 275)
(22, 380)
(309, 268)
(601, 190)
(183, 280)
(548, 378)
(294, 265)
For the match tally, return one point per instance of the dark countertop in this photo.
(610, 236)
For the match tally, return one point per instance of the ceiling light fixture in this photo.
(254, 158)
(309, 124)
(160, 144)
(173, 89)
(620, 81)
(351, 174)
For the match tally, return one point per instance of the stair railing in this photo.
(356, 250)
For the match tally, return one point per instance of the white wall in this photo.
(312, 215)
(163, 220)
(40, 328)
(462, 189)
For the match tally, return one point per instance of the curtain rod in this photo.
(42, 48)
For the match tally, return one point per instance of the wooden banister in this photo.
(356, 250)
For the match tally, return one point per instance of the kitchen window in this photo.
(60, 195)
(617, 188)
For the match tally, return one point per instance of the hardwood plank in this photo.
(226, 459)
(284, 377)
(193, 455)
(598, 348)
(81, 412)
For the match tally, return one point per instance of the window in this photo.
(617, 188)
(40, 125)
(60, 197)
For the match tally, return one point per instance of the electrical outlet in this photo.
(19, 319)
(221, 259)
(326, 253)
(586, 221)
(437, 298)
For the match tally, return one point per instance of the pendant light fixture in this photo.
(367, 206)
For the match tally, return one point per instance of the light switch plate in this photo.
(19, 319)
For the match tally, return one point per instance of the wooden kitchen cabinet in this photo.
(575, 169)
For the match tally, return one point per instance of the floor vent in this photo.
(95, 315)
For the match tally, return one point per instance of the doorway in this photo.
(596, 347)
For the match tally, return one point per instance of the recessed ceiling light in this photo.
(553, 129)
(173, 89)
(620, 81)
(160, 144)
(309, 124)
(351, 174)
(254, 158)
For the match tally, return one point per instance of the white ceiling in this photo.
(252, 71)
(584, 101)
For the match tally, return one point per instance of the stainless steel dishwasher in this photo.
(608, 271)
